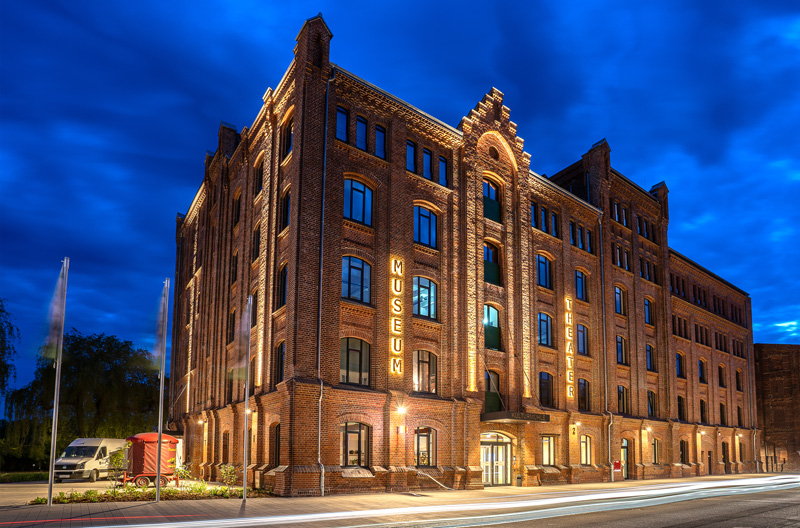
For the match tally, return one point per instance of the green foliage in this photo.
(129, 493)
(23, 476)
(39, 500)
(9, 335)
(109, 389)
(91, 495)
(228, 472)
(199, 487)
(117, 464)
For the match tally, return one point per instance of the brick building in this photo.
(778, 405)
(430, 310)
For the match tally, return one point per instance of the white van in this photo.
(86, 458)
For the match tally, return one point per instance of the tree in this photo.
(9, 335)
(109, 389)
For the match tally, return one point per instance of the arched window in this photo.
(702, 371)
(649, 317)
(281, 289)
(650, 358)
(544, 272)
(285, 211)
(258, 178)
(584, 395)
(586, 450)
(254, 310)
(620, 301)
(255, 247)
(739, 380)
(425, 446)
(357, 202)
(581, 286)
(356, 279)
(280, 362)
(424, 226)
(656, 451)
(491, 327)
(424, 371)
(623, 400)
(424, 297)
(287, 133)
(723, 414)
(652, 404)
(684, 450)
(622, 351)
(682, 409)
(680, 365)
(546, 396)
(354, 441)
(354, 361)
(545, 329)
(492, 394)
(703, 412)
(721, 375)
(491, 200)
(582, 340)
(491, 264)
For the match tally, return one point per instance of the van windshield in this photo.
(79, 451)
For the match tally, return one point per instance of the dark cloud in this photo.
(107, 110)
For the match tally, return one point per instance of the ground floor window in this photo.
(548, 450)
(656, 451)
(684, 447)
(586, 450)
(425, 446)
(354, 438)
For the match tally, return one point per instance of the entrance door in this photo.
(710, 472)
(496, 459)
(623, 456)
(725, 460)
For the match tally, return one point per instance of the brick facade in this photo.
(778, 397)
(241, 237)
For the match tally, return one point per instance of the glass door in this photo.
(624, 458)
(496, 459)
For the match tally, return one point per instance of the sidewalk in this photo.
(132, 513)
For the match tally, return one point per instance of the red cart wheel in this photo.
(163, 481)
(141, 481)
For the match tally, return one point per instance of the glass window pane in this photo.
(380, 142)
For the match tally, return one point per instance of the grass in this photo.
(23, 476)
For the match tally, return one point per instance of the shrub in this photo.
(24, 476)
(228, 474)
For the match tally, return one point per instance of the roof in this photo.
(705, 270)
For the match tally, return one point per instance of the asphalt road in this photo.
(16, 493)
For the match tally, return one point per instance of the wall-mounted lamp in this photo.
(577, 423)
(649, 429)
(401, 429)
(200, 422)
(401, 410)
(702, 432)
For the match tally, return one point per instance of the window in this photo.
(546, 396)
(650, 355)
(427, 164)
(354, 361)
(586, 450)
(682, 409)
(581, 245)
(411, 156)
(723, 415)
(545, 330)
(425, 446)
(721, 376)
(534, 213)
(231, 334)
(619, 300)
(622, 351)
(589, 241)
(356, 279)
(281, 290)
(424, 226)
(280, 362)
(442, 171)
(623, 400)
(424, 371)
(258, 179)
(544, 275)
(237, 210)
(656, 451)
(491, 265)
(491, 201)
(548, 450)
(380, 142)
(580, 285)
(544, 218)
(739, 416)
(234, 267)
(739, 380)
(701, 371)
(254, 310)
(424, 297)
(286, 208)
(652, 404)
(584, 395)
(492, 398)
(342, 123)
(680, 366)
(572, 234)
(357, 202)
(684, 449)
(255, 247)
(555, 225)
(703, 412)
(583, 340)
(648, 312)
(491, 327)
(361, 133)
(354, 439)
(287, 131)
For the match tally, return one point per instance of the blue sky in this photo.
(107, 110)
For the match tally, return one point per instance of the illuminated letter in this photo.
(396, 325)
(570, 361)
(397, 345)
(397, 365)
(397, 286)
(397, 306)
(569, 332)
(570, 376)
(569, 318)
(570, 391)
(397, 266)
(569, 303)
(569, 348)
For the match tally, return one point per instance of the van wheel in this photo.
(93, 476)
(57, 480)
(141, 481)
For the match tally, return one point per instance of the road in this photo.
(756, 501)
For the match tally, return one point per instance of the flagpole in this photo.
(163, 339)
(60, 340)
(247, 325)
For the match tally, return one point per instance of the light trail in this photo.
(594, 501)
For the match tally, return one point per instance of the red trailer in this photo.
(143, 459)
